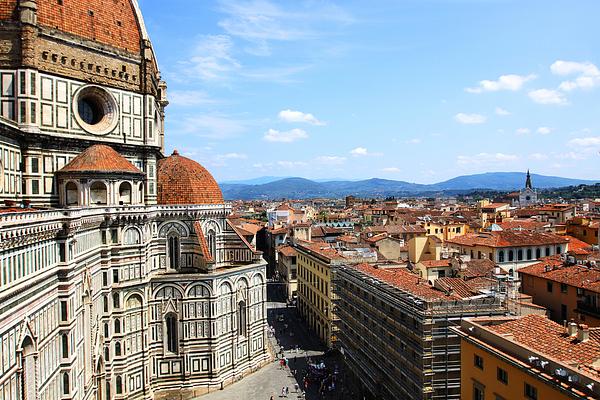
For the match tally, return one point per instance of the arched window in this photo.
(529, 254)
(116, 300)
(105, 303)
(125, 193)
(106, 331)
(106, 354)
(119, 385)
(538, 253)
(117, 325)
(108, 397)
(71, 194)
(241, 318)
(212, 244)
(117, 349)
(173, 244)
(511, 255)
(66, 389)
(98, 193)
(172, 339)
(141, 192)
(547, 251)
(132, 236)
(501, 256)
(558, 250)
(64, 338)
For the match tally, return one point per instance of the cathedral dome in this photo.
(184, 181)
(100, 158)
(114, 23)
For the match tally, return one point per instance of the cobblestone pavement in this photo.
(269, 380)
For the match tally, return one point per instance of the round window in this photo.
(95, 110)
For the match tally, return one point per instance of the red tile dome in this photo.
(110, 22)
(184, 181)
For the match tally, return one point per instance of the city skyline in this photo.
(416, 91)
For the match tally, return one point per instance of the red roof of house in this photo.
(553, 269)
(508, 239)
(549, 338)
(404, 280)
(100, 158)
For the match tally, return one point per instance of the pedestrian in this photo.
(296, 387)
(283, 391)
(272, 398)
(287, 391)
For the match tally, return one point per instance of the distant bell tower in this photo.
(528, 181)
(528, 196)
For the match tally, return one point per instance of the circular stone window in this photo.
(95, 110)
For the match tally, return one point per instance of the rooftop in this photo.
(508, 239)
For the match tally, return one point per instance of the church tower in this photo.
(528, 196)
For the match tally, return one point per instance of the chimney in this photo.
(583, 333)
(572, 329)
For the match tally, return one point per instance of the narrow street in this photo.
(300, 348)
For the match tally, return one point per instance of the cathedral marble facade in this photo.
(121, 276)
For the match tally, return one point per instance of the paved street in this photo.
(269, 380)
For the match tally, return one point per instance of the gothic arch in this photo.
(132, 235)
(168, 291)
(135, 295)
(173, 226)
(198, 288)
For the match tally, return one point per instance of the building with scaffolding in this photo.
(393, 330)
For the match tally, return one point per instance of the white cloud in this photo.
(298, 116)
(273, 135)
(486, 158)
(511, 82)
(212, 58)
(187, 98)
(292, 164)
(544, 130)
(538, 156)
(592, 141)
(523, 131)
(391, 169)
(588, 75)
(501, 111)
(359, 151)
(260, 21)
(232, 156)
(548, 96)
(561, 67)
(470, 118)
(331, 160)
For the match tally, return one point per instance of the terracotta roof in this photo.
(508, 239)
(549, 338)
(529, 224)
(553, 269)
(111, 22)
(184, 181)
(287, 251)
(578, 246)
(322, 249)
(100, 158)
(404, 280)
(435, 263)
(478, 268)
(464, 288)
(202, 241)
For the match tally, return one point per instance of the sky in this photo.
(414, 90)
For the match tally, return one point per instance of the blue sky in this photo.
(416, 90)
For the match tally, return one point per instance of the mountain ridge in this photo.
(301, 188)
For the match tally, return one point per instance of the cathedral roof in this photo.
(100, 158)
(184, 181)
(116, 23)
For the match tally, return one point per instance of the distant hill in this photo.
(254, 181)
(300, 188)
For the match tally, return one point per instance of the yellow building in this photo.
(528, 357)
(315, 294)
(585, 229)
(445, 230)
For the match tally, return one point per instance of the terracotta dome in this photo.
(115, 23)
(184, 181)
